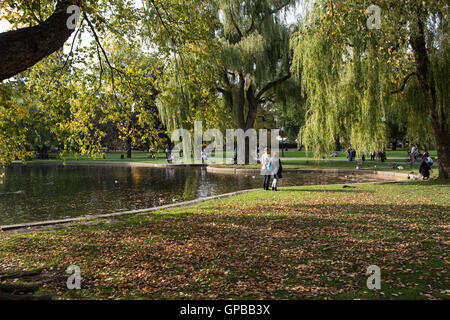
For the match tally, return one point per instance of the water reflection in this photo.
(37, 193)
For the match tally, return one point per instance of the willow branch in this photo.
(272, 85)
(405, 81)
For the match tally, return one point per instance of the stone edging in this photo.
(397, 176)
(149, 210)
(118, 214)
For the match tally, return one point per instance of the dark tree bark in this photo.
(442, 137)
(250, 100)
(240, 107)
(394, 145)
(129, 148)
(22, 49)
(425, 77)
(338, 145)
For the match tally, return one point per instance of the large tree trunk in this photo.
(129, 145)
(438, 116)
(22, 49)
(443, 149)
(245, 123)
(250, 99)
(240, 108)
(394, 145)
(338, 145)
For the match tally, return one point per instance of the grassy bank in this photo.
(299, 243)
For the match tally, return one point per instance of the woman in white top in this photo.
(265, 168)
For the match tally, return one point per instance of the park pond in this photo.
(49, 192)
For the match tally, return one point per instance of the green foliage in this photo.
(255, 48)
(108, 82)
(14, 118)
(349, 72)
(184, 34)
(240, 41)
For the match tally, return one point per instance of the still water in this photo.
(40, 193)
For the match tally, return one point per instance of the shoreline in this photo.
(302, 232)
(212, 168)
(119, 214)
(382, 176)
(397, 176)
(32, 226)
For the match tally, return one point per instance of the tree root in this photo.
(34, 281)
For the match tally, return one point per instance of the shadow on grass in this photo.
(265, 251)
(349, 189)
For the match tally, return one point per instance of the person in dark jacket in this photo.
(425, 170)
(277, 170)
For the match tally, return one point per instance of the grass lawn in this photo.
(299, 243)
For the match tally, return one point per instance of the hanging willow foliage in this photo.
(354, 77)
(344, 88)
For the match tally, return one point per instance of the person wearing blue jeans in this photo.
(266, 168)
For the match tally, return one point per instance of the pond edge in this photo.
(388, 177)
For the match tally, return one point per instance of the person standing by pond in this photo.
(413, 155)
(277, 170)
(167, 152)
(266, 168)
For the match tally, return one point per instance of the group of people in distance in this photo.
(170, 158)
(271, 167)
(415, 155)
(378, 155)
(351, 154)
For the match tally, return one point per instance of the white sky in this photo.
(4, 25)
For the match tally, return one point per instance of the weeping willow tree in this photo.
(186, 90)
(256, 57)
(354, 76)
(256, 60)
(239, 66)
(244, 59)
